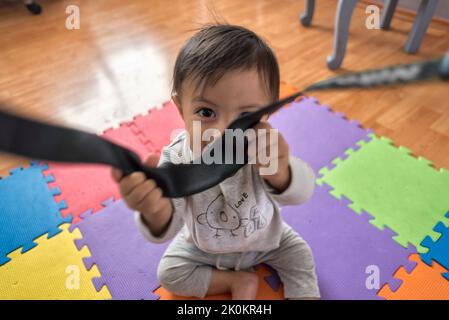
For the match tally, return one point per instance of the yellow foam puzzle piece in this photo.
(53, 270)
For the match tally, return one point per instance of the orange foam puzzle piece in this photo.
(285, 90)
(423, 283)
(265, 291)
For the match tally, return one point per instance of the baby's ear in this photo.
(175, 99)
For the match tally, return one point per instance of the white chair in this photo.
(343, 20)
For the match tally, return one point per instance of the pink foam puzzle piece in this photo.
(127, 137)
(86, 186)
(159, 126)
(83, 187)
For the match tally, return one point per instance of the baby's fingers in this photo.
(116, 174)
(154, 201)
(138, 194)
(130, 182)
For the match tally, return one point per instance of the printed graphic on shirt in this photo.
(228, 222)
(256, 221)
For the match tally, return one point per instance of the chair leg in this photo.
(307, 16)
(32, 6)
(342, 22)
(423, 18)
(388, 12)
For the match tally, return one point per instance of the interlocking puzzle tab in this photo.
(159, 125)
(52, 270)
(438, 249)
(28, 209)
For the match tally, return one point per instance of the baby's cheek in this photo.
(195, 137)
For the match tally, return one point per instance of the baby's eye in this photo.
(206, 113)
(244, 113)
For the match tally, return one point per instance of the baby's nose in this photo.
(223, 125)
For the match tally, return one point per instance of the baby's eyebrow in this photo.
(202, 99)
(252, 106)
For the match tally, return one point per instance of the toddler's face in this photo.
(236, 93)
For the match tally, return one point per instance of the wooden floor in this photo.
(119, 63)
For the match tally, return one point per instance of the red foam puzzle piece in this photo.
(85, 187)
(160, 125)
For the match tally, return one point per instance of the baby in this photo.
(220, 234)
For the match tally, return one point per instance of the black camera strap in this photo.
(43, 141)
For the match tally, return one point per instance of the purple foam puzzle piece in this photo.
(273, 280)
(315, 133)
(127, 262)
(344, 244)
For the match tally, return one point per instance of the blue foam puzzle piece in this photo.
(27, 209)
(439, 249)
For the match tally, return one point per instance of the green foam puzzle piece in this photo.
(401, 192)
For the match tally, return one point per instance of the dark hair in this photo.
(218, 48)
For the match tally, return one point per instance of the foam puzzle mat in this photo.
(424, 282)
(438, 249)
(128, 263)
(52, 270)
(307, 126)
(346, 247)
(84, 186)
(157, 122)
(377, 222)
(399, 191)
(27, 209)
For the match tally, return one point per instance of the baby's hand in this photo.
(272, 156)
(143, 195)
